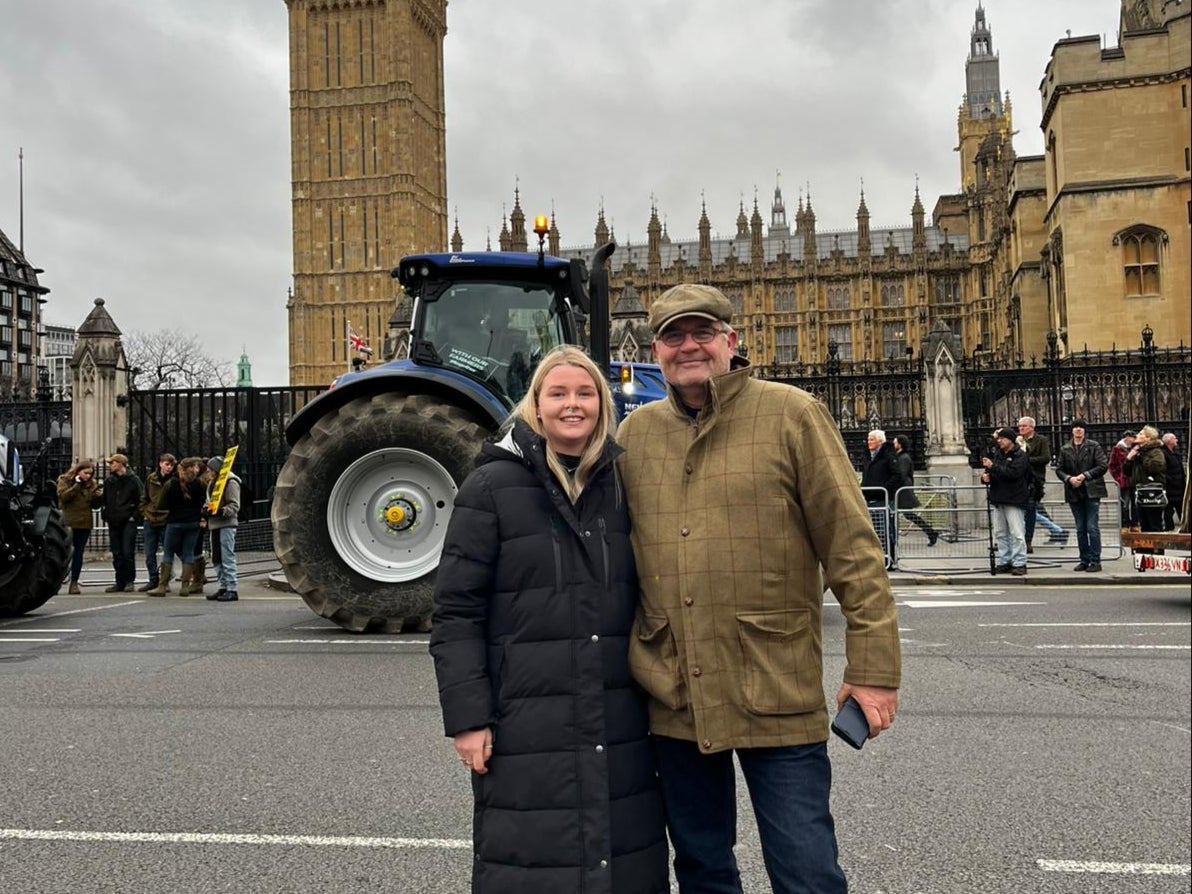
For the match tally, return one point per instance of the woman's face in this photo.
(86, 474)
(569, 407)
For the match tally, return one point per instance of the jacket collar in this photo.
(721, 389)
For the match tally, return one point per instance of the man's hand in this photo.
(879, 704)
(474, 748)
(1076, 480)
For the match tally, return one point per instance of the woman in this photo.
(533, 606)
(78, 494)
(183, 499)
(1145, 464)
(906, 496)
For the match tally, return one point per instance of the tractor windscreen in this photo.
(494, 331)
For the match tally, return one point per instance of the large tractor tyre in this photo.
(362, 504)
(31, 584)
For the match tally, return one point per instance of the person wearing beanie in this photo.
(1008, 474)
(720, 587)
(1082, 465)
(222, 521)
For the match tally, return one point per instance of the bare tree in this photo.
(171, 358)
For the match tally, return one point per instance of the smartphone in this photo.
(850, 723)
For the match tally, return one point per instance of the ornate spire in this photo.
(457, 239)
(602, 234)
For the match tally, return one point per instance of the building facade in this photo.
(368, 166)
(21, 299)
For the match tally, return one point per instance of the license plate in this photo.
(1145, 562)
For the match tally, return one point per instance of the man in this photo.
(154, 529)
(1008, 474)
(222, 522)
(121, 497)
(879, 473)
(1176, 481)
(1038, 454)
(1117, 457)
(1082, 466)
(739, 491)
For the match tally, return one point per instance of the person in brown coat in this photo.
(739, 491)
(78, 494)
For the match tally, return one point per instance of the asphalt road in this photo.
(189, 746)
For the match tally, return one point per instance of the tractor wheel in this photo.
(31, 584)
(362, 504)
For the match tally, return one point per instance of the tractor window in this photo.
(496, 332)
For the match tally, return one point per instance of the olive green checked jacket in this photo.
(734, 515)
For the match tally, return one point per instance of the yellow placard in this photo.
(221, 479)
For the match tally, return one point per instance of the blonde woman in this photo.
(78, 494)
(534, 603)
(1146, 464)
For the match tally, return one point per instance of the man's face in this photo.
(873, 443)
(1005, 444)
(1026, 429)
(1077, 434)
(115, 467)
(164, 467)
(1170, 441)
(690, 362)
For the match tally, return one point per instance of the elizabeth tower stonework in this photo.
(368, 160)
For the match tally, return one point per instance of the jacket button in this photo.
(587, 533)
(604, 864)
(687, 600)
(685, 532)
(595, 638)
(706, 744)
(600, 749)
(696, 672)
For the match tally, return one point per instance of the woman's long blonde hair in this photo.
(606, 424)
(79, 467)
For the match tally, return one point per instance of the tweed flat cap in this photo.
(689, 300)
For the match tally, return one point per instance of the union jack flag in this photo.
(356, 342)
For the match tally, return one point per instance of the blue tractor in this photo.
(362, 504)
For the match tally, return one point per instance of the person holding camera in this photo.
(1008, 474)
(78, 494)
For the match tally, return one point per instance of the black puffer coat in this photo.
(534, 602)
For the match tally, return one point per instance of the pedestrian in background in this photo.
(78, 494)
(153, 530)
(1146, 465)
(1117, 457)
(728, 637)
(534, 604)
(1008, 474)
(222, 522)
(121, 498)
(1082, 466)
(906, 496)
(1177, 481)
(1038, 454)
(880, 480)
(183, 499)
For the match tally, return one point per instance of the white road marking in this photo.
(915, 603)
(29, 639)
(353, 641)
(1121, 646)
(219, 838)
(1115, 868)
(43, 630)
(146, 634)
(935, 591)
(73, 611)
(1096, 624)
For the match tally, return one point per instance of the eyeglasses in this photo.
(674, 338)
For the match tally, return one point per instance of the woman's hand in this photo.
(474, 748)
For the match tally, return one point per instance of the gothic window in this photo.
(893, 294)
(1140, 261)
(784, 299)
(786, 344)
(842, 334)
(838, 297)
(947, 290)
(893, 339)
(737, 300)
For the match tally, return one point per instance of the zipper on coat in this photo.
(605, 552)
(554, 534)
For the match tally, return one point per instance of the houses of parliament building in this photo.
(1088, 243)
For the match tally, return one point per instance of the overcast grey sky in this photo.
(156, 132)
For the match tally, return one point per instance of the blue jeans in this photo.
(155, 536)
(1009, 534)
(123, 536)
(1087, 513)
(78, 538)
(1035, 512)
(181, 540)
(226, 538)
(789, 788)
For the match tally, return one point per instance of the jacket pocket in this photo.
(654, 660)
(779, 672)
